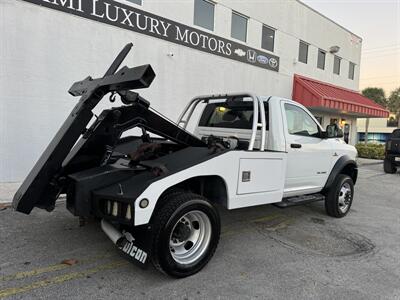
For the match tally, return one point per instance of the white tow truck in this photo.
(156, 196)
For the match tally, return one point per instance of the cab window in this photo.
(299, 122)
(225, 115)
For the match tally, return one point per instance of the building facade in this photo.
(195, 47)
(379, 129)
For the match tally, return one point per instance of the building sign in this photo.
(128, 17)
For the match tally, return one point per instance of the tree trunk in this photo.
(366, 131)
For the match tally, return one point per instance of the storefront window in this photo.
(204, 14)
(239, 27)
(374, 137)
(352, 67)
(336, 65)
(268, 38)
(303, 52)
(321, 59)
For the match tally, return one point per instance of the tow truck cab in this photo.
(290, 128)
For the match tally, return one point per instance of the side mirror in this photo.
(333, 131)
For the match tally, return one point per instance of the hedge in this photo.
(374, 151)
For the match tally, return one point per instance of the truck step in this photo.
(299, 200)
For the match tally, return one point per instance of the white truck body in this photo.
(277, 172)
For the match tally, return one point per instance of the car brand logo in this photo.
(262, 59)
(240, 52)
(251, 56)
(273, 62)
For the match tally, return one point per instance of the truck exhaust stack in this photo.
(114, 235)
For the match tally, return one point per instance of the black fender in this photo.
(344, 165)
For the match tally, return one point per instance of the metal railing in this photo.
(258, 106)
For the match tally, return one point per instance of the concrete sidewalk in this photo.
(367, 161)
(7, 191)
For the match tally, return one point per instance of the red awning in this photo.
(323, 96)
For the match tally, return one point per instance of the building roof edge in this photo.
(329, 19)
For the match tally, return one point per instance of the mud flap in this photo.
(136, 245)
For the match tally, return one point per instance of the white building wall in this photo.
(376, 125)
(295, 21)
(43, 51)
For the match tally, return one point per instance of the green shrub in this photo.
(374, 151)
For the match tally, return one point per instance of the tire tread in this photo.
(330, 201)
(170, 203)
(388, 166)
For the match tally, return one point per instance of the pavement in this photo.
(264, 252)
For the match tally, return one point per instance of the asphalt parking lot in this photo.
(265, 252)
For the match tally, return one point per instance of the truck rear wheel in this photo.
(186, 234)
(339, 197)
(389, 166)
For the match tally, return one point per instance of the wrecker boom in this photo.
(44, 183)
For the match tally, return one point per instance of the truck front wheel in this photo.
(186, 234)
(339, 197)
(389, 166)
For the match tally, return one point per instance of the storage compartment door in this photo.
(261, 175)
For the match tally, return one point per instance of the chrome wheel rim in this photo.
(190, 237)
(344, 197)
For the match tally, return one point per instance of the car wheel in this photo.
(388, 166)
(186, 234)
(340, 197)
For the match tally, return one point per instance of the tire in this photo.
(388, 166)
(339, 197)
(184, 216)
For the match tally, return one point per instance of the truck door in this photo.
(309, 156)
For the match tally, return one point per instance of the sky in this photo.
(378, 23)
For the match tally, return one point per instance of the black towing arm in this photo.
(42, 186)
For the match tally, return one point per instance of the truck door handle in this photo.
(295, 146)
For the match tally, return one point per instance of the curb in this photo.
(370, 163)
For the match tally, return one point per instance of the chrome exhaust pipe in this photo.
(114, 235)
